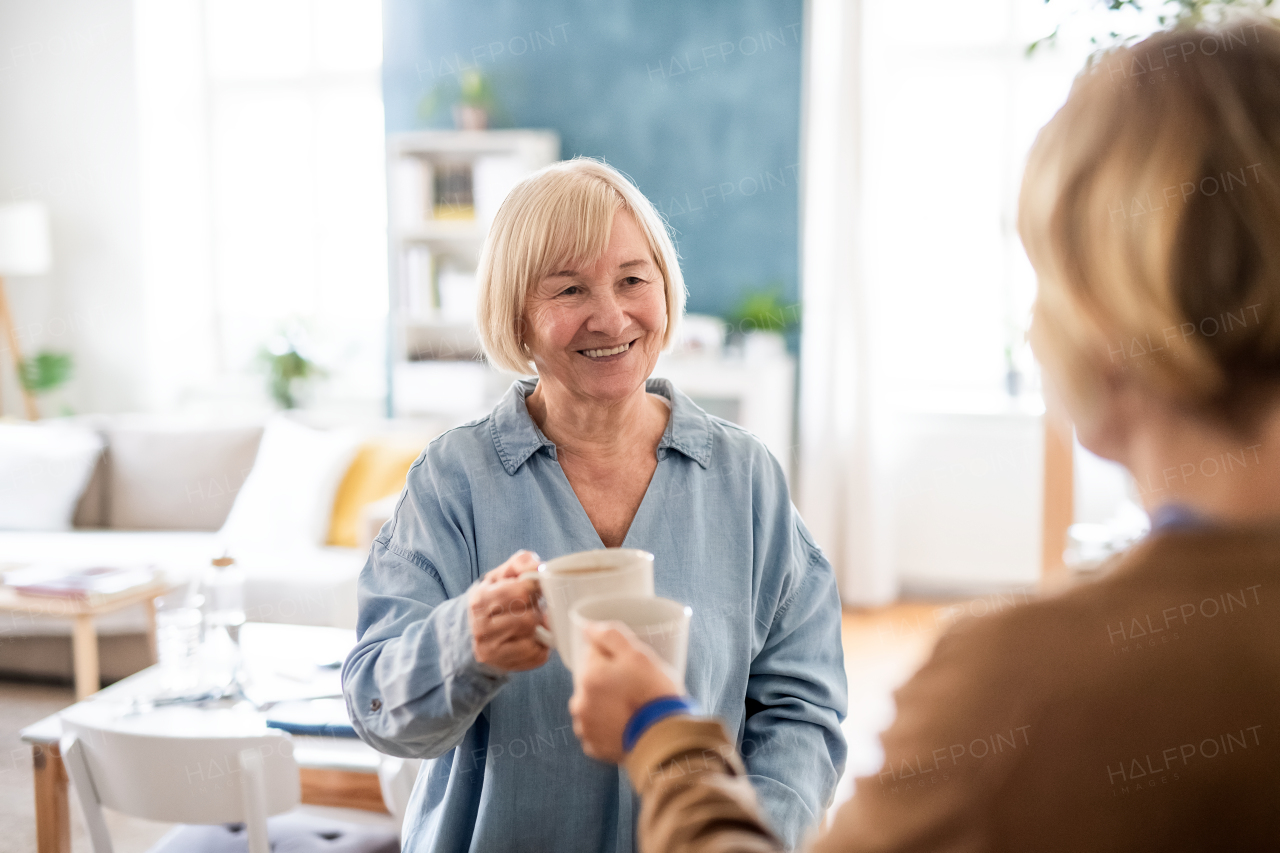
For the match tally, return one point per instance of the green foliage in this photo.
(764, 309)
(1189, 13)
(470, 88)
(1172, 15)
(474, 90)
(285, 366)
(45, 371)
(1043, 40)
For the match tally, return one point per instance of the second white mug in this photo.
(660, 622)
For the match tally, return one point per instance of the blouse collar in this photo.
(516, 437)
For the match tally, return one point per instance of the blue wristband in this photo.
(652, 712)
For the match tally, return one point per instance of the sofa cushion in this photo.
(176, 477)
(287, 500)
(379, 469)
(43, 471)
(91, 511)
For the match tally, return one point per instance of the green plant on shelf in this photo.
(470, 89)
(764, 309)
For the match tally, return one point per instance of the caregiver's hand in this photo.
(504, 613)
(617, 676)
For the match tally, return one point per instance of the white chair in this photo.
(235, 781)
(396, 778)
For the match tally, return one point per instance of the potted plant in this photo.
(760, 320)
(470, 96)
(45, 372)
(286, 370)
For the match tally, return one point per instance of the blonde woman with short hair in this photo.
(580, 284)
(1140, 711)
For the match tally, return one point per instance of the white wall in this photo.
(68, 137)
(969, 500)
(1101, 487)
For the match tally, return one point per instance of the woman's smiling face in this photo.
(596, 329)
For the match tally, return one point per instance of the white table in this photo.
(334, 771)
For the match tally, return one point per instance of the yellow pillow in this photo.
(378, 469)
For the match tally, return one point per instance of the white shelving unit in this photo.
(434, 365)
(757, 393)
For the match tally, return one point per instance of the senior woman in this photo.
(580, 279)
(1140, 711)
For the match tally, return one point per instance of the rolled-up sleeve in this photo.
(797, 696)
(797, 690)
(412, 684)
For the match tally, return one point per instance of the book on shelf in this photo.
(414, 197)
(459, 293)
(453, 198)
(418, 299)
(78, 582)
(493, 177)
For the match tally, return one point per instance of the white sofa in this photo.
(160, 494)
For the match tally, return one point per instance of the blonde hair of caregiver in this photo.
(579, 281)
(1139, 711)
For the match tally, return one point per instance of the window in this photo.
(288, 136)
(951, 106)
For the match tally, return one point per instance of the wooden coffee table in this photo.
(84, 634)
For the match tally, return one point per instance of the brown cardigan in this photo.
(1137, 712)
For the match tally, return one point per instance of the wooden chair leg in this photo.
(53, 816)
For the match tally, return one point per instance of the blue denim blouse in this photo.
(508, 773)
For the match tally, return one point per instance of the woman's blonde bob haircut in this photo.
(1150, 209)
(560, 216)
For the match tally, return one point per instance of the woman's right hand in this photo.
(504, 613)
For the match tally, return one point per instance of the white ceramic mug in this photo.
(660, 622)
(567, 580)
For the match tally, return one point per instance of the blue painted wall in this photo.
(697, 100)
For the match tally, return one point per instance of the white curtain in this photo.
(845, 489)
(173, 165)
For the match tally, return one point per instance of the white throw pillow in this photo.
(44, 468)
(287, 499)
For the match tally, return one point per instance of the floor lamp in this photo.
(24, 250)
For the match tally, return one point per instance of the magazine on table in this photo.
(63, 581)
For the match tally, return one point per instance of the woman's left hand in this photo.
(617, 676)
